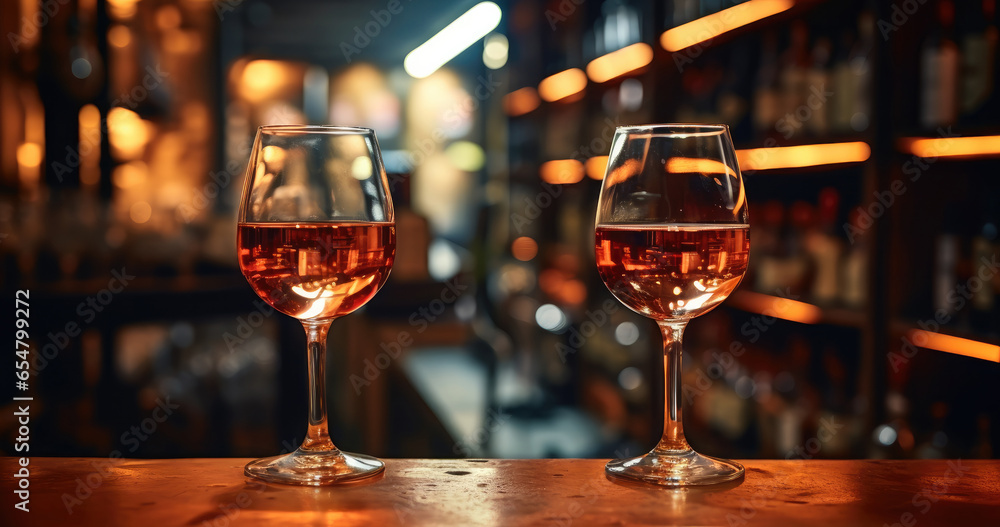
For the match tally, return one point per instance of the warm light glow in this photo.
(122, 9)
(774, 306)
(129, 175)
(452, 40)
(127, 133)
(524, 248)
(562, 287)
(688, 165)
(623, 172)
(29, 155)
(274, 156)
(90, 117)
(262, 78)
(140, 212)
(618, 63)
(521, 101)
(711, 26)
(90, 144)
(119, 36)
(956, 345)
(562, 171)
(803, 156)
(168, 17)
(562, 84)
(952, 146)
(596, 167)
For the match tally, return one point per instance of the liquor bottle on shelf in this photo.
(979, 55)
(939, 62)
(766, 99)
(862, 73)
(946, 261)
(843, 100)
(765, 231)
(984, 249)
(854, 270)
(818, 80)
(793, 79)
(798, 271)
(825, 249)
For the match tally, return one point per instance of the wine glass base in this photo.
(675, 469)
(314, 468)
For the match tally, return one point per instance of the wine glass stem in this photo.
(318, 436)
(673, 427)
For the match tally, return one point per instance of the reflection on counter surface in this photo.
(866, 325)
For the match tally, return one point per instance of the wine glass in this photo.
(316, 240)
(671, 244)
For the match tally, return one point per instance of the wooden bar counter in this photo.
(214, 492)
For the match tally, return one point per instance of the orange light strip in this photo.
(803, 156)
(777, 307)
(687, 165)
(952, 146)
(562, 171)
(956, 345)
(596, 167)
(520, 102)
(711, 26)
(562, 85)
(620, 62)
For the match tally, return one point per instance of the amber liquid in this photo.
(316, 271)
(675, 271)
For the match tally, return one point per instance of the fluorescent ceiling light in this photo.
(452, 40)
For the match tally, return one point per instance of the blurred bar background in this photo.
(869, 136)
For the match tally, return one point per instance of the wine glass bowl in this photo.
(316, 240)
(671, 244)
